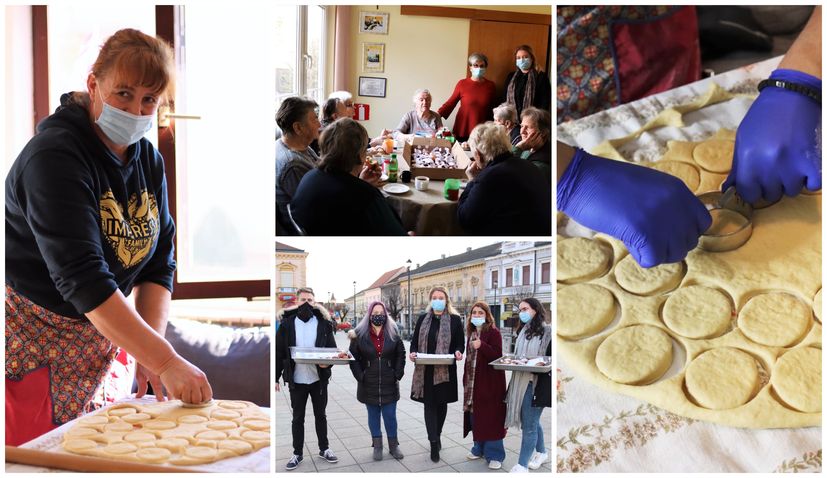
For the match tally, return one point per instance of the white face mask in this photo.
(120, 127)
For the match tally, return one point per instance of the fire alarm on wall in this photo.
(361, 111)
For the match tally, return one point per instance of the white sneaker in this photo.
(495, 465)
(518, 468)
(472, 456)
(537, 460)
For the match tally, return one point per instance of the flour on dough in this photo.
(642, 281)
(774, 319)
(697, 312)
(580, 259)
(635, 355)
(583, 310)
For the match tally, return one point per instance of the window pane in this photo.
(286, 19)
(509, 277)
(546, 273)
(526, 275)
(315, 48)
(224, 160)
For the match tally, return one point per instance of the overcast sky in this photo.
(334, 263)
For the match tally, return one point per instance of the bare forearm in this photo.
(116, 320)
(152, 303)
(565, 153)
(805, 53)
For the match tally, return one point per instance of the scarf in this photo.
(520, 380)
(470, 372)
(443, 340)
(528, 96)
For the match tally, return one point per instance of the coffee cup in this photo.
(421, 183)
(406, 176)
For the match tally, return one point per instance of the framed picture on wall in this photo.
(373, 22)
(371, 86)
(373, 57)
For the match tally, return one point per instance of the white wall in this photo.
(17, 104)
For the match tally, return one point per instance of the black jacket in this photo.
(508, 194)
(286, 338)
(337, 203)
(378, 377)
(542, 388)
(444, 392)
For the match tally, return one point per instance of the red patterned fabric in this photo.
(75, 354)
(611, 54)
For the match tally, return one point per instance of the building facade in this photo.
(291, 274)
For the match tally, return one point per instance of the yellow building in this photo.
(461, 275)
(291, 274)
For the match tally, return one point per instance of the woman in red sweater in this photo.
(476, 95)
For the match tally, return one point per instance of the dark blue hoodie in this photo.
(79, 222)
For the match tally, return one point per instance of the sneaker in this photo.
(495, 465)
(294, 462)
(537, 460)
(329, 456)
(472, 456)
(518, 468)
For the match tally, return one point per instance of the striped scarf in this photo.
(443, 341)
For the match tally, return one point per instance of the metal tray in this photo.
(296, 352)
(435, 359)
(498, 365)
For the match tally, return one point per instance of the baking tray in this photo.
(498, 365)
(435, 359)
(296, 353)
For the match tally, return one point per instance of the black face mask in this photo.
(378, 320)
(305, 312)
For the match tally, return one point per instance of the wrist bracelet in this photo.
(796, 87)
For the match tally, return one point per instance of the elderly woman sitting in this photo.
(506, 115)
(339, 197)
(504, 195)
(421, 121)
(535, 143)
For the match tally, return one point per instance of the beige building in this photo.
(291, 274)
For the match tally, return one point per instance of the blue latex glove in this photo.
(778, 143)
(655, 215)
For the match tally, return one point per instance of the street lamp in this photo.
(353, 319)
(499, 324)
(410, 305)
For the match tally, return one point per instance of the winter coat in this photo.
(489, 390)
(444, 392)
(542, 387)
(286, 338)
(378, 377)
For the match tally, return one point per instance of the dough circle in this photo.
(257, 424)
(159, 425)
(153, 455)
(232, 405)
(135, 417)
(138, 436)
(583, 310)
(237, 446)
(775, 319)
(119, 448)
(635, 355)
(225, 414)
(686, 172)
(172, 444)
(697, 312)
(80, 444)
(222, 425)
(722, 378)
(211, 435)
(580, 259)
(192, 419)
(201, 452)
(81, 432)
(119, 427)
(714, 155)
(797, 379)
(119, 412)
(638, 280)
(817, 305)
(255, 435)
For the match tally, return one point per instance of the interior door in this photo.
(497, 40)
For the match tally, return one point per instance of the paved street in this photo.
(350, 439)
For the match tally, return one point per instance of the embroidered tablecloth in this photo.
(600, 431)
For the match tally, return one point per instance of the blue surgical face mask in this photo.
(438, 305)
(477, 321)
(525, 316)
(477, 72)
(120, 127)
(524, 63)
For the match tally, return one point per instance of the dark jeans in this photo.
(434, 419)
(298, 400)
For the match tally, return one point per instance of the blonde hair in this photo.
(132, 57)
(490, 140)
(448, 307)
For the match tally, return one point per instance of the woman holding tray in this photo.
(437, 331)
(527, 395)
(483, 401)
(378, 367)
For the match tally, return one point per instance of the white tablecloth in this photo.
(257, 462)
(601, 431)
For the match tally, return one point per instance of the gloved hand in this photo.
(778, 143)
(655, 215)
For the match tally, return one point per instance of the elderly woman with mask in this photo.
(420, 121)
(483, 209)
(475, 95)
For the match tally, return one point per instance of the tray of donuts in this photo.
(541, 364)
(320, 355)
